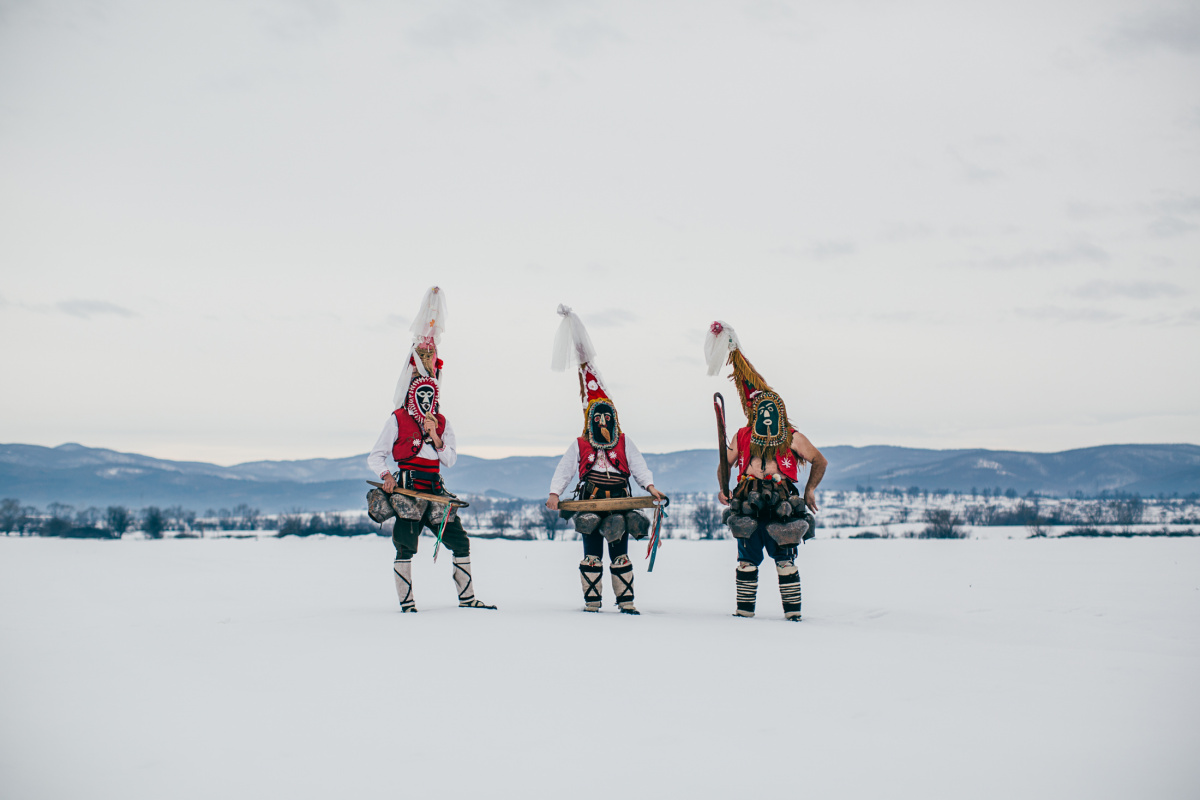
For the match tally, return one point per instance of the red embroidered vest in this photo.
(409, 440)
(788, 463)
(615, 455)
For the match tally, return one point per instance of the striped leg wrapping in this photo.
(747, 588)
(789, 588)
(403, 572)
(591, 573)
(465, 585)
(622, 583)
(462, 580)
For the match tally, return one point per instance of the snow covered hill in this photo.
(282, 668)
(84, 476)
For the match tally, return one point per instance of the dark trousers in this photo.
(407, 533)
(593, 545)
(751, 549)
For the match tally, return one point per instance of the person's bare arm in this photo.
(805, 449)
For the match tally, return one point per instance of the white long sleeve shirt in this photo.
(381, 462)
(568, 467)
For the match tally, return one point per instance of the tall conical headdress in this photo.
(427, 329)
(572, 344)
(764, 408)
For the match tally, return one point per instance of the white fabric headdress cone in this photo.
(427, 329)
(721, 340)
(430, 322)
(571, 342)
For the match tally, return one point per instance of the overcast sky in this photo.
(933, 224)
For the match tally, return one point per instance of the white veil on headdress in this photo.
(572, 340)
(572, 345)
(721, 340)
(427, 329)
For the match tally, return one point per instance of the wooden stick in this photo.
(433, 498)
(608, 504)
(723, 468)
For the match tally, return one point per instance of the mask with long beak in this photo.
(603, 429)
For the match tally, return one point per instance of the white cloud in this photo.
(1050, 257)
(610, 318)
(1133, 290)
(86, 309)
(1175, 29)
(1068, 315)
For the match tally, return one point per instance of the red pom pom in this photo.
(716, 328)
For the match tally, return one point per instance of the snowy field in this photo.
(281, 668)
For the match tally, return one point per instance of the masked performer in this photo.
(602, 459)
(420, 441)
(765, 510)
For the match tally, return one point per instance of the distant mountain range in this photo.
(84, 476)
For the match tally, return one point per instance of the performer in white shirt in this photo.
(420, 441)
(602, 460)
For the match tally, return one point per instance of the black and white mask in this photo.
(422, 398)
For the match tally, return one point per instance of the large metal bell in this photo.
(408, 507)
(378, 507)
(586, 522)
(637, 524)
(742, 527)
(613, 527)
(787, 534)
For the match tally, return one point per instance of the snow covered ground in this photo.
(244, 668)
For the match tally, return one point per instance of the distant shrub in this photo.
(706, 516)
(942, 524)
(10, 515)
(336, 525)
(292, 525)
(1126, 533)
(89, 532)
(118, 519)
(55, 526)
(153, 522)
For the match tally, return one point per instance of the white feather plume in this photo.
(720, 341)
(571, 342)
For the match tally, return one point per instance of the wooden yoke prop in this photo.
(433, 498)
(611, 504)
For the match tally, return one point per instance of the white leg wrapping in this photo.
(622, 583)
(591, 573)
(403, 572)
(465, 585)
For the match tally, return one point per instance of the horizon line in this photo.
(559, 453)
